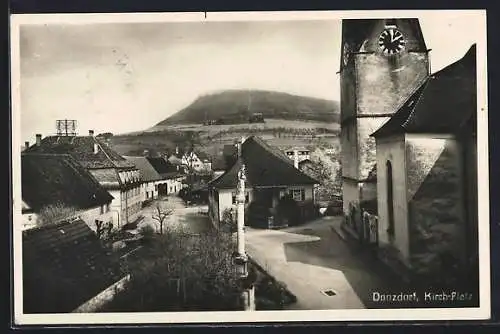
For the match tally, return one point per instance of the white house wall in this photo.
(91, 215)
(116, 206)
(393, 150)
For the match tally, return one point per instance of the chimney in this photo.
(91, 133)
(26, 144)
(38, 139)
(296, 159)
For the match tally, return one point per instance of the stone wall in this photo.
(384, 83)
(104, 297)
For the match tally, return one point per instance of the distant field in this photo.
(276, 132)
(269, 124)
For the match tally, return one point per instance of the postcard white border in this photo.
(480, 313)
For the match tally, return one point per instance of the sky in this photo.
(122, 77)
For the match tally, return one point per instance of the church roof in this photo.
(265, 166)
(444, 103)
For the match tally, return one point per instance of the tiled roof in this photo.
(82, 149)
(148, 172)
(444, 103)
(219, 163)
(265, 167)
(50, 179)
(202, 155)
(163, 167)
(229, 150)
(64, 266)
(107, 177)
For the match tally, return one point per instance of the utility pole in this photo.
(241, 258)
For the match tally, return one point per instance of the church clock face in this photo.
(391, 41)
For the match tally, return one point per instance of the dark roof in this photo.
(219, 163)
(148, 172)
(164, 168)
(49, 179)
(305, 161)
(444, 103)
(265, 167)
(202, 155)
(229, 150)
(64, 266)
(82, 149)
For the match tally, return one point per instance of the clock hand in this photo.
(396, 39)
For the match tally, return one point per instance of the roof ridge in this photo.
(75, 165)
(268, 148)
(103, 151)
(412, 113)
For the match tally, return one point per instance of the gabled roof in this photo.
(229, 150)
(57, 178)
(163, 167)
(265, 167)
(219, 163)
(444, 103)
(148, 172)
(64, 265)
(82, 149)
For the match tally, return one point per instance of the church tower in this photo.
(383, 62)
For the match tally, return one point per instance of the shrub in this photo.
(257, 215)
(288, 211)
(147, 231)
(181, 271)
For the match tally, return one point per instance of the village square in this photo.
(257, 200)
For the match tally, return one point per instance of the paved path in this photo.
(312, 258)
(187, 218)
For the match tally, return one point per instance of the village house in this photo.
(298, 154)
(406, 135)
(174, 176)
(117, 175)
(153, 184)
(67, 269)
(56, 186)
(270, 175)
(219, 166)
(197, 161)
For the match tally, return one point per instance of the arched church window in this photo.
(390, 199)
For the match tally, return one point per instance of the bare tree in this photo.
(161, 214)
(55, 213)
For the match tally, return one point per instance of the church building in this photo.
(408, 148)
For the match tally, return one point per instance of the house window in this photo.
(390, 200)
(298, 194)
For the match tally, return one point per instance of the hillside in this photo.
(235, 106)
